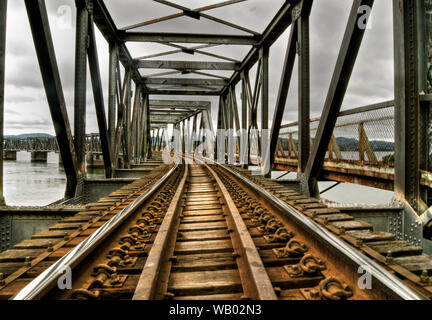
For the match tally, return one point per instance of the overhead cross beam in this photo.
(182, 81)
(191, 13)
(186, 65)
(197, 15)
(183, 92)
(181, 49)
(158, 37)
(179, 103)
(194, 50)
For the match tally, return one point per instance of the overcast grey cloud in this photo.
(26, 107)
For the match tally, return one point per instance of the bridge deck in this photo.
(203, 249)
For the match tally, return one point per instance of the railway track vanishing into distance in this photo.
(206, 231)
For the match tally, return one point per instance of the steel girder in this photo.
(344, 66)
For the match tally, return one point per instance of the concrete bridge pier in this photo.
(95, 161)
(9, 155)
(39, 156)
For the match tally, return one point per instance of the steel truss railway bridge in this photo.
(179, 230)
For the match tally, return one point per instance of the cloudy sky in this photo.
(26, 108)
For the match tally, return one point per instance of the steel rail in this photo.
(150, 275)
(388, 282)
(47, 279)
(258, 281)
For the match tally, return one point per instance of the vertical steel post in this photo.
(99, 100)
(137, 145)
(236, 118)
(81, 41)
(407, 173)
(422, 44)
(194, 134)
(183, 126)
(144, 128)
(304, 92)
(3, 14)
(284, 85)
(112, 92)
(218, 128)
(264, 145)
(148, 128)
(128, 136)
(244, 147)
(424, 33)
(133, 133)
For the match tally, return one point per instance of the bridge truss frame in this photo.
(130, 135)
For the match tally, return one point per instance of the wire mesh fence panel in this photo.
(364, 135)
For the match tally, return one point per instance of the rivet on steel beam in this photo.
(50, 247)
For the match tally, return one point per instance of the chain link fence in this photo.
(364, 135)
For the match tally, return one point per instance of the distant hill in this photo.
(350, 144)
(29, 135)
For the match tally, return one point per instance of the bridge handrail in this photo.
(368, 108)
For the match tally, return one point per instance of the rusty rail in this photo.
(384, 278)
(256, 283)
(46, 280)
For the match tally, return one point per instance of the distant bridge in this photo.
(48, 144)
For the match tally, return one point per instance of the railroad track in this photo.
(207, 232)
